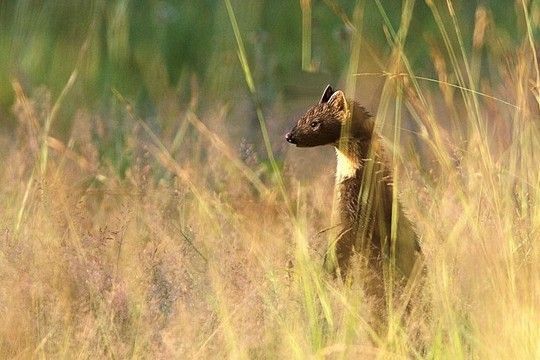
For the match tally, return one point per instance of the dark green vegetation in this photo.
(151, 50)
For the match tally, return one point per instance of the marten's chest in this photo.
(349, 177)
(348, 182)
(347, 191)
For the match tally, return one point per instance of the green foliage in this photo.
(143, 48)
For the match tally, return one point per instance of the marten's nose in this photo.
(290, 138)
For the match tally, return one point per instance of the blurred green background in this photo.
(152, 51)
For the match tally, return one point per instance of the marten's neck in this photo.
(353, 147)
(351, 154)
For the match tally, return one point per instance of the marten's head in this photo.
(322, 123)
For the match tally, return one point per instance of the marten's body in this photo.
(363, 182)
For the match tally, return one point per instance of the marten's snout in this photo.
(290, 138)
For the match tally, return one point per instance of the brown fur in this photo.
(364, 226)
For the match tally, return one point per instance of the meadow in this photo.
(150, 207)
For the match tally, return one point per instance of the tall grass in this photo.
(201, 250)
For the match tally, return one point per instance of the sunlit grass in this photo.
(197, 252)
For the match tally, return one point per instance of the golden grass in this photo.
(197, 253)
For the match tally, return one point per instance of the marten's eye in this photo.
(314, 124)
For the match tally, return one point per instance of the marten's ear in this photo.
(337, 101)
(327, 93)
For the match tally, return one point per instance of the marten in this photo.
(364, 198)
